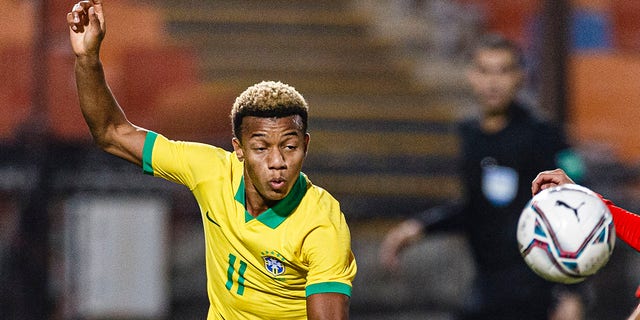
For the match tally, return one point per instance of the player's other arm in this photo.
(328, 306)
(107, 122)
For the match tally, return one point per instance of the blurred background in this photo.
(84, 235)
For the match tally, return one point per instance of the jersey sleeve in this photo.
(332, 265)
(186, 163)
(627, 224)
(444, 217)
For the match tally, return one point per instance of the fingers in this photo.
(78, 17)
(97, 5)
(549, 179)
(542, 180)
(70, 22)
(83, 13)
(97, 9)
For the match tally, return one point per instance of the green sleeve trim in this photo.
(329, 287)
(147, 151)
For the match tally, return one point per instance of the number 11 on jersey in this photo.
(230, 272)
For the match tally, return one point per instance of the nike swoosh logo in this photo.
(209, 218)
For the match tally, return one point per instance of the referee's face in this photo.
(495, 78)
(273, 150)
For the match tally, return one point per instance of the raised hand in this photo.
(86, 27)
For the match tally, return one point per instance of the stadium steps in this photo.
(382, 141)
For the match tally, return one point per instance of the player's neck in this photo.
(495, 118)
(493, 123)
(255, 208)
(256, 204)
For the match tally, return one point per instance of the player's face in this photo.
(495, 78)
(273, 150)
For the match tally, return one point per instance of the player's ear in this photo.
(307, 138)
(237, 147)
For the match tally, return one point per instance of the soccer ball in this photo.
(566, 233)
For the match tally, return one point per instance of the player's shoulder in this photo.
(193, 156)
(321, 200)
(191, 147)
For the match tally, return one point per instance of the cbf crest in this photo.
(273, 262)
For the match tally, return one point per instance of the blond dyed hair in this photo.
(268, 99)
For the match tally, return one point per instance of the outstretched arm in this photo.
(107, 122)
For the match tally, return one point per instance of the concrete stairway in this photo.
(381, 140)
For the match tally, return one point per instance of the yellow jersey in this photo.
(262, 267)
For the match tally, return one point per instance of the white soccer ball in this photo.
(566, 233)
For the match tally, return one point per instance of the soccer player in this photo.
(501, 151)
(277, 246)
(627, 223)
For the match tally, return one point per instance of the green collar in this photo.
(275, 215)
